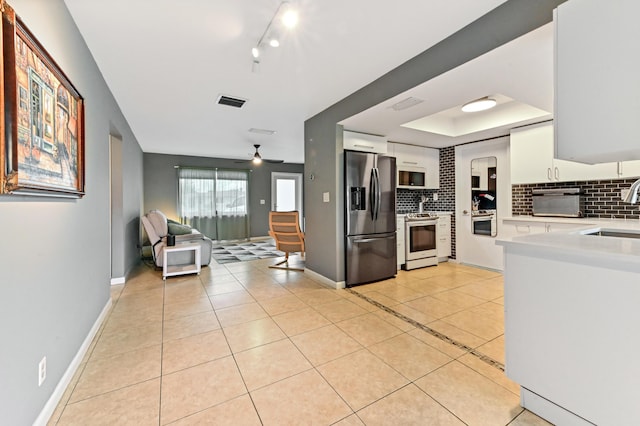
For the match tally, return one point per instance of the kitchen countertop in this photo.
(557, 219)
(562, 290)
(431, 212)
(573, 245)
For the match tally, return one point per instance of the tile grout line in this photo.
(164, 293)
(492, 362)
(232, 353)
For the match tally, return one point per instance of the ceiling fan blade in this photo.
(274, 161)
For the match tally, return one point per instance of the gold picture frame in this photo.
(42, 118)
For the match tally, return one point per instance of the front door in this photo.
(286, 192)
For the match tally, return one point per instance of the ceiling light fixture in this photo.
(288, 20)
(257, 158)
(479, 105)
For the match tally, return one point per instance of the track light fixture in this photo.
(285, 18)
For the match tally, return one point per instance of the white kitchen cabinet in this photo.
(532, 159)
(596, 80)
(364, 142)
(558, 294)
(400, 240)
(443, 236)
(414, 157)
(629, 169)
(516, 227)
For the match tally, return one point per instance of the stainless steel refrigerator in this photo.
(370, 192)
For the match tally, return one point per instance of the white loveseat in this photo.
(156, 226)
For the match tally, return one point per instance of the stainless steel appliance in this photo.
(563, 202)
(420, 240)
(412, 177)
(370, 191)
(484, 222)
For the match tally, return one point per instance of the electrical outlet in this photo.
(42, 371)
(435, 196)
(624, 193)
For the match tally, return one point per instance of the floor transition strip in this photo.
(492, 362)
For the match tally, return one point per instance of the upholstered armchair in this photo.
(156, 226)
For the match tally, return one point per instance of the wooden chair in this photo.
(284, 228)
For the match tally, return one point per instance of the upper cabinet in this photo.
(532, 159)
(412, 157)
(597, 87)
(364, 142)
(629, 169)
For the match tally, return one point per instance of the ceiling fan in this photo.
(257, 158)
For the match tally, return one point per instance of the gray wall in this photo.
(55, 253)
(161, 184)
(323, 149)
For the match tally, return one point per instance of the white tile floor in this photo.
(243, 344)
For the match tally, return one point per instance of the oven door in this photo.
(420, 239)
(484, 225)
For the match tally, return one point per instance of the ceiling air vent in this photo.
(262, 131)
(407, 103)
(230, 101)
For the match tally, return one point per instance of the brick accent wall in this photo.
(602, 198)
(407, 199)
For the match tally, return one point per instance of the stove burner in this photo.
(418, 216)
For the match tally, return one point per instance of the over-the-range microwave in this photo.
(412, 177)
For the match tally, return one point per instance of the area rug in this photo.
(240, 252)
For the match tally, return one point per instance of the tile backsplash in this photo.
(602, 198)
(407, 199)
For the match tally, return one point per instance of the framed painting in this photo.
(42, 117)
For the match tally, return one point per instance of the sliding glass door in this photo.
(215, 201)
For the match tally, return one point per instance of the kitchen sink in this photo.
(619, 233)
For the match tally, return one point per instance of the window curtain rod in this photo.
(211, 168)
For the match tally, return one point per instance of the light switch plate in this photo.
(261, 201)
(325, 197)
(623, 193)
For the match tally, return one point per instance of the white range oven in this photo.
(420, 240)
(484, 222)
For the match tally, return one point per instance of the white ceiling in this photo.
(166, 62)
(519, 75)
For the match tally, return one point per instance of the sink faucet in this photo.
(632, 195)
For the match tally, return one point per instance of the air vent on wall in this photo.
(230, 101)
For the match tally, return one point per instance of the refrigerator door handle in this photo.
(372, 194)
(364, 241)
(378, 194)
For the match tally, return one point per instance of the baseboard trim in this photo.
(118, 280)
(61, 387)
(324, 280)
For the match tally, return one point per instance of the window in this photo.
(215, 201)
